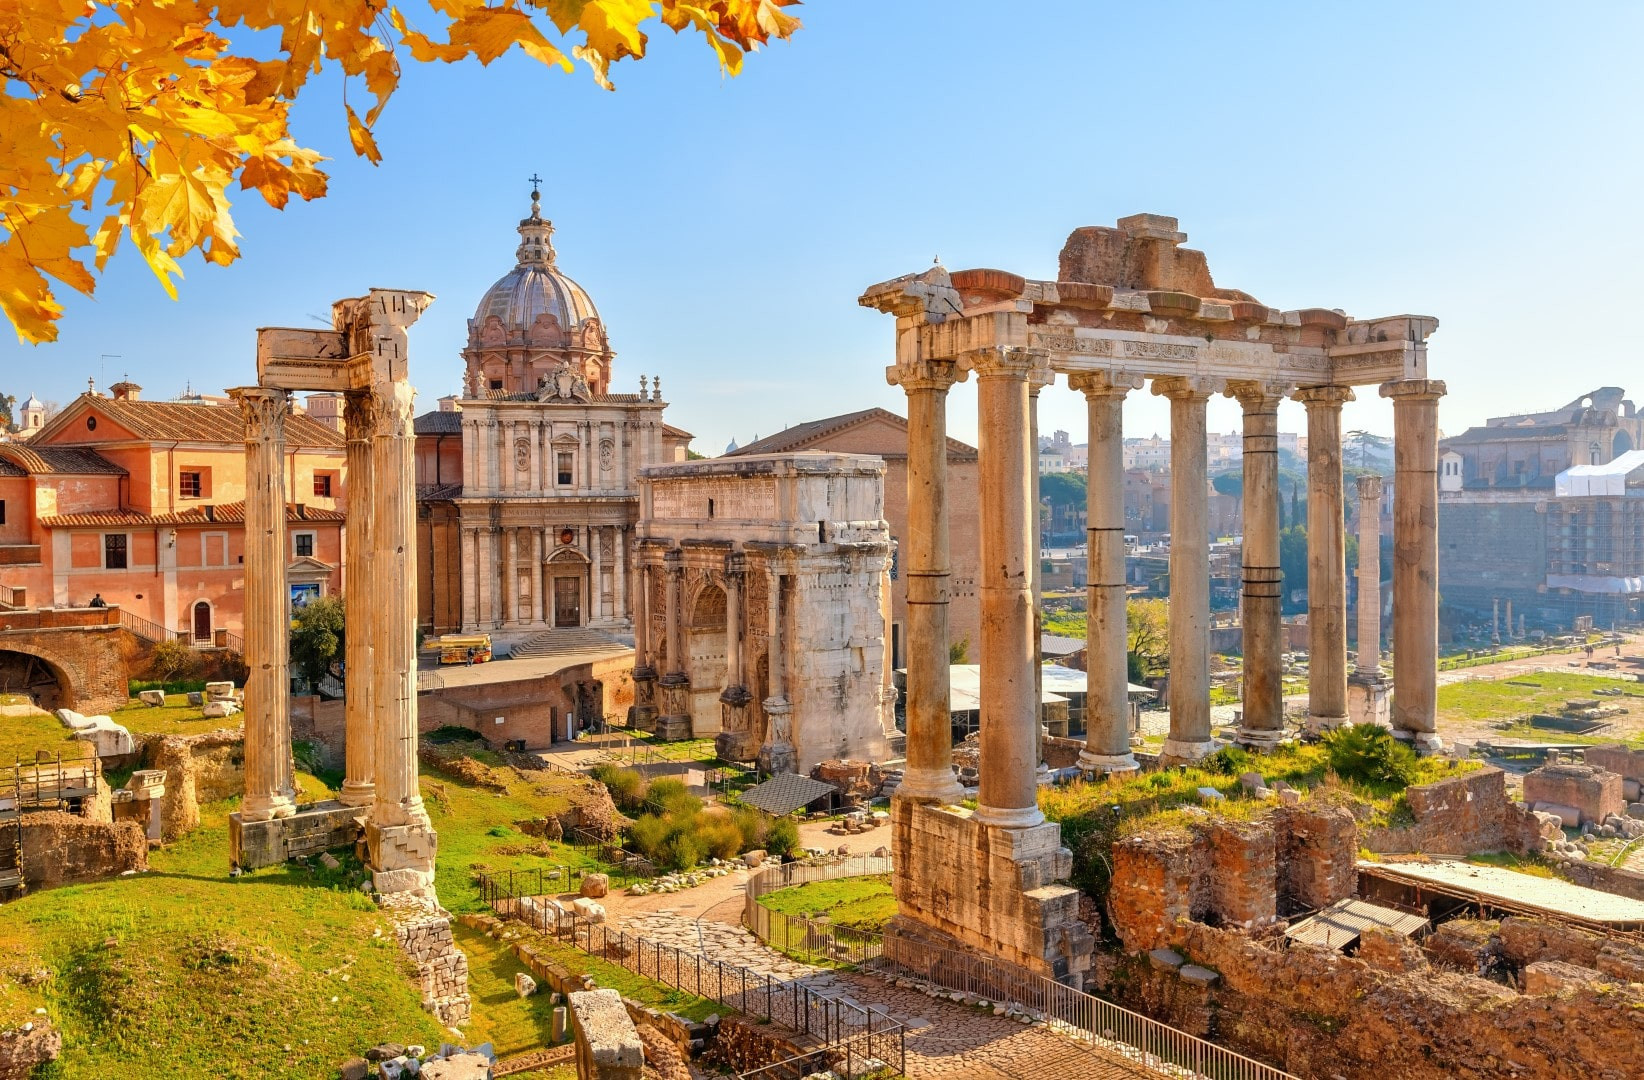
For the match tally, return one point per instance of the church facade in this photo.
(527, 482)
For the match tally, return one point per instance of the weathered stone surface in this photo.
(458, 1067)
(1468, 945)
(61, 848)
(1555, 976)
(1318, 851)
(219, 691)
(219, 709)
(1157, 880)
(1595, 792)
(1165, 959)
(1198, 976)
(1624, 762)
(1243, 872)
(595, 885)
(152, 698)
(422, 930)
(1459, 816)
(608, 1046)
(110, 739)
(355, 1068)
(22, 1052)
(524, 985)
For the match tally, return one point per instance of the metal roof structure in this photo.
(1509, 891)
(787, 792)
(1340, 925)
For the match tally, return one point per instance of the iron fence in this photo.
(813, 940)
(834, 1022)
(151, 631)
(854, 1058)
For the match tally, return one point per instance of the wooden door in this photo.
(567, 602)
(202, 621)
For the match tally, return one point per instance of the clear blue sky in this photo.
(1475, 161)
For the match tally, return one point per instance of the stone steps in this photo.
(560, 642)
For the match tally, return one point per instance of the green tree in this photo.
(6, 420)
(1147, 636)
(317, 637)
(1228, 483)
(1063, 490)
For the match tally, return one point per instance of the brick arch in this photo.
(88, 663)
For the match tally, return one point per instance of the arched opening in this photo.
(705, 648)
(202, 622)
(37, 679)
(1622, 444)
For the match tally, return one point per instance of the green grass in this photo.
(175, 717)
(188, 972)
(21, 736)
(861, 903)
(512, 1024)
(1501, 699)
(1507, 861)
(612, 976)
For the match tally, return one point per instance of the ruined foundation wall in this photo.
(1460, 816)
(61, 848)
(199, 769)
(423, 931)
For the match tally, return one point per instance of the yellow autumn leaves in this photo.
(137, 115)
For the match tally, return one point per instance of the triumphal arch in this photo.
(1130, 308)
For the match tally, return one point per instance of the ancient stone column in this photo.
(778, 754)
(596, 574)
(1326, 559)
(1415, 560)
(400, 840)
(735, 741)
(470, 579)
(1009, 795)
(360, 739)
(1107, 700)
(675, 684)
(1368, 658)
(1189, 570)
(1366, 688)
(1038, 378)
(644, 715)
(1495, 620)
(928, 776)
(1263, 616)
(270, 789)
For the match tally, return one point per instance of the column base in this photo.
(1369, 701)
(642, 717)
(1015, 817)
(1260, 738)
(1186, 751)
(1108, 763)
(355, 793)
(1424, 743)
(1321, 724)
(777, 758)
(401, 857)
(938, 786)
(267, 807)
(736, 740)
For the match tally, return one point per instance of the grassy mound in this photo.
(861, 903)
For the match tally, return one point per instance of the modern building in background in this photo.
(1542, 514)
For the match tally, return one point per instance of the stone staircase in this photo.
(549, 643)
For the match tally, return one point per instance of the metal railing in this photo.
(853, 1058)
(8, 598)
(834, 1022)
(1072, 1012)
(151, 631)
(813, 940)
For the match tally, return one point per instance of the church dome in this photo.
(33, 403)
(535, 286)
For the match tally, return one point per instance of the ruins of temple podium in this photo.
(1131, 308)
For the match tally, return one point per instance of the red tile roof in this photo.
(210, 514)
(70, 460)
(171, 421)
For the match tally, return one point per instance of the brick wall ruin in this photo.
(199, 769)
(1459, 816)
(1594, 793)
(61, 848)
(1296, 858)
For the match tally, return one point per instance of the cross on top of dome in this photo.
(535, 232)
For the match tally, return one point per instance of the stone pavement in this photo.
(945, 1038)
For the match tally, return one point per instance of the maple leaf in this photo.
(155, 103)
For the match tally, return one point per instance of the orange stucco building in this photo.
(143, 504)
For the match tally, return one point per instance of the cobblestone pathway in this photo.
(945, 1038)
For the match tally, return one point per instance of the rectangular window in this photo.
(322, 485)
(304, 544)
(562, 466)
(188, 485)
(114, 551)
(2, 511)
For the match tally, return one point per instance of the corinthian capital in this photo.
(264, 410)
(1330, 397)
(925, 375)
(1004, 362)
(359, 414)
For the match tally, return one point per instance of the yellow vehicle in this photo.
(461, 648)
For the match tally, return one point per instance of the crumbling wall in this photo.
(1243, 872)
(1158, 878)
(61, 848)
(1317, 856)
(1318, 1013)
(423, 930)
(199, 769)
(322, 723)
(1460, 816)
(1610, 879)
(1596, 793)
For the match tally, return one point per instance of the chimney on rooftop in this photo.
(125, 391)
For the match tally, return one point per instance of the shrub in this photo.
(682, 851)
(782, 838)
(720, 837)
(751, 824)
(664, 787)
(1368, 754)
(626, 786)
(172, 660)
(1228, 761)
(649, 833)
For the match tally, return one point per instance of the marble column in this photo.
(1107, 700)
(1326, 559)
(645, 712)
(675, 684)
(1415, 560)
(778, 754)
(735, 741)
(470, 579)
(1262, 618)
(359, 734)
(1189, 738)
(536, 577)
(399, 838)
(1008, 796)
(929, 775)
(620, 571)
(1368, 658)
(596, 574)
(1040, 377)
(270, 788)
(510, 575)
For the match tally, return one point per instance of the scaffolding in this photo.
(46, 783)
